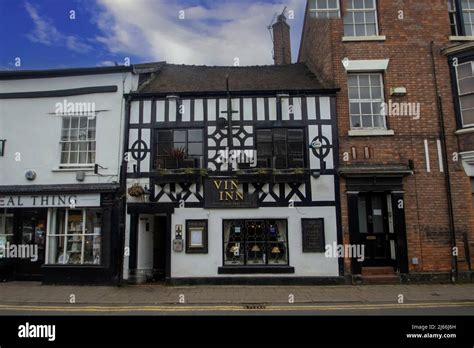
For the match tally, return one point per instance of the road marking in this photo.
(236, 308)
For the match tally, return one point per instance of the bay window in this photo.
(75, 237)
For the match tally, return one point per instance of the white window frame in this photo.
(65, 235)
(3, 223)
(354, 10)
(87, 141)
(371, 101)
(465, 94)
(318, 11)
(469, 10)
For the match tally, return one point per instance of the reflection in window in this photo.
(75, 236)
(255, 242)
(280, 148)
(360, 18)
(179, 148)
(465, 77)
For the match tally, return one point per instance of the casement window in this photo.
(280, 148)
(75, 237)
(324, 8)
(6, 230)
(2, 147)
(78, 140)
(360, 18)
(465, 84)
(179, 148)
(255, 242)
(461, 14)
(366, 101)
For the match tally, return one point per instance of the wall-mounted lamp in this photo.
(96, 169)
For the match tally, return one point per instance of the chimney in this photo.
(281, 41)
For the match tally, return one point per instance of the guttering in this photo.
(39, 74)
(442, 134)
(302, 92)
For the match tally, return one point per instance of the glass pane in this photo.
(234, 243)
(379, 121)
(348, 30)
(195, 135)
(355, 122)
(375, 80)
(353, 93)
(74, 223)
(377, 214)
(264, 149)
(466, 85)
(295, 135)
(359, 30)
(467, 101)
(165, 136)
(359, 17)
(179, 136)
(277, 242)
(355, 109)
(280, 148)
(367, 122)
(74, 122)
(353, 81)
(364, 93)
(364, 80)
(464, 70)
(468, 117)
(358, 3)
(83, 122)
(376, 93)
(195, 149)
(66, 122)
(371, 30)
(73, 249)
(362, 210)
(366, 108)
(264, 135)
(56, 250)
(92, 250)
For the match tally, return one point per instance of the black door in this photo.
(31, 240)
(159, 248)
(374, 229)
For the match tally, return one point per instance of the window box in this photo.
(255, 175)
(291, 175)
(180, 175)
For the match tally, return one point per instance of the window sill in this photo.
(73, 169)
(461, 38)
(464, 131)
(364, 38)
(370, 132)
(255, 269)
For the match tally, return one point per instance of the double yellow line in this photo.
(226, 308)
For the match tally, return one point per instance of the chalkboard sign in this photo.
(313, 235)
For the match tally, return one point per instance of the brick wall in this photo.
(408, 46)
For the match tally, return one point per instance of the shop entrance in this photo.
(30, 242)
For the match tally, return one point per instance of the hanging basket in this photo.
(136, 190)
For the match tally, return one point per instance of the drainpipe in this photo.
(442, 135)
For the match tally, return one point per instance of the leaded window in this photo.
(280, 148)
(366, 101)
(179, 148)
(78, 140)
(465, 81)
(324, 8)
(255, 242)
(360, 18)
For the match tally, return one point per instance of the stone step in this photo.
(380, 279)
(378, 271)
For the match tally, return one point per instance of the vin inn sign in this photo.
(227, 193)
(50, 201)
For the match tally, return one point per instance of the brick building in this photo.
(404, 191)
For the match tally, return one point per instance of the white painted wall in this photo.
(33, 131)
(305, 264)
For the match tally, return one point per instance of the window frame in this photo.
(288, 155)
(78, 142)
(459, 18)
(355, 10)
(327, 10)
(458, 94)
(371, 101)
(3, 223)
(64, 235)
(203, 142)
(245, 264)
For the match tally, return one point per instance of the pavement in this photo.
(35, 294)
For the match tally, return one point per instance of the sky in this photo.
(56, 34)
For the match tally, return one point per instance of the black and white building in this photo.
(60, 157)
(231, 176)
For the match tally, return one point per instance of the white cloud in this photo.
(217, 35)
(46, 33)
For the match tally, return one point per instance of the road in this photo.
(461, 308)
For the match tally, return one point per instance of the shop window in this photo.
(280, 148)
(78, 140)
(360, 18)
(324, 8)
(255, 242)
(465, 98)
(366, 101)
(6, 231)
(2, 147)
(179, 148)
(75, 237)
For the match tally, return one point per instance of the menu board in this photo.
(313, 235)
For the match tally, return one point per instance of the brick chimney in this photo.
(281, 41)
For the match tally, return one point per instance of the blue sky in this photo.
(42, 34)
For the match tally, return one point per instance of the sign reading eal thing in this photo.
(50, 201)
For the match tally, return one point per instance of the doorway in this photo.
(376, 232)
(30, 241)
(159, 248)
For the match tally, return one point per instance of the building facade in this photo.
(254, 204)
(404, 193)
(60, 160)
